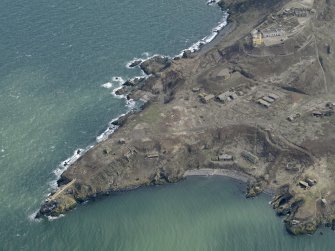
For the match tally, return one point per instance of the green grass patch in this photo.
(150, 115)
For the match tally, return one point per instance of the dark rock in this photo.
(187, 54)
(210, 2)
(333, 225)
(122, 91)
(123, 119)
(133, 82)
(253, 189)
(63, 180)
(46, 209)
(155, 65)
(283, 197)
(135, 63)
(222, 4)
(297, 228)
(129, 82)
(160, 178)
(283, 210)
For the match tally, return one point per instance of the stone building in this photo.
(257, 38)
(273, 33)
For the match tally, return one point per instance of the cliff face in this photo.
(264, 110)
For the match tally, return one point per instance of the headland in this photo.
(258, 103)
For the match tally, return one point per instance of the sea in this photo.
(60, 63)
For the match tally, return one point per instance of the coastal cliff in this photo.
(259, 102)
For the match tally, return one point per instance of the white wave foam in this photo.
(66, 164)
(52, 218)
(110, 129)
(130, 103)
(117, 84)
(209, 38)
(115, 90)
(76, 155)
(133, 61)
(107, 85)
(212, 2)
(146, 54)
(32, 217)
(118, 80)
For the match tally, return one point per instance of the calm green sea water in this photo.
(54, 57)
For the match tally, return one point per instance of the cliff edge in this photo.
(260, 102)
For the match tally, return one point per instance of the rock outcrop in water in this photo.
(155, 64)
(260, 102)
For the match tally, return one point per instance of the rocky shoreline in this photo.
(202, 115)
